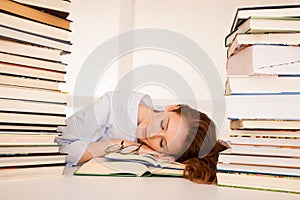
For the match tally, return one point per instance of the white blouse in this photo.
(112, 116)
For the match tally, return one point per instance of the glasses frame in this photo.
(120, 148)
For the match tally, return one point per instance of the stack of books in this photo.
(33, 37)
(263, 100)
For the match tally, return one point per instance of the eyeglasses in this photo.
(120, 148)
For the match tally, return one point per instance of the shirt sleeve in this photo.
(82, 128)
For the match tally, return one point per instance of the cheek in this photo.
(152, 143)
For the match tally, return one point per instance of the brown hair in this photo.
(202, 148)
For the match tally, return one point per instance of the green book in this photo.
(108, 167)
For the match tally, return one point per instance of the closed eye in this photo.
(162, 124)
(161, 143)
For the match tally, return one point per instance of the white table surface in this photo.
(123, 188)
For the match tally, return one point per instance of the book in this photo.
(23, 49)
(265, 138)
(27, 149)
(29, 38)
(255, 149)
(33, 27)
(10, 92)
(32, 119)
(21, 81)
(283, 11)
(34, 14)
(103, 167)
(9, 138)
(32, 159)
(265, 59)
(146, 159)
(263, 106)
(26, 71)
(277, 134)
(10, 105)
(244, 124)
(260, 160)
(243, 40)
(32, 172)
(243, 84)
(222, 167)
(59, 8)
(264, 25)
(259, 181)
(25, 127)
(32, 62)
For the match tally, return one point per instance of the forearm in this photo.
(97, 149)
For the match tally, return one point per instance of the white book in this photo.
(32, 62)
(255, 25)
(10, 92)
(27, 71)
(243, 40)
(14, 161)
(11, 105)
(27, 138)
(259, 169)
(278, 161)
(265, 59)
(264, 106)
(31, 119)
(271, 142)
(9, 174)
(262, 84)
(24, 127)
(266, 150)
(28, 82)
(27, 149)
(33, 39)
(284, 184)
(244, 124)
(29, 50)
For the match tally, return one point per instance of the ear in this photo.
(172, 107)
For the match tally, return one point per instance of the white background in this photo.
(206, 22)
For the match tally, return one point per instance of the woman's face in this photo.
(163, 131)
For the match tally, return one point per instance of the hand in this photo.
(147, 150)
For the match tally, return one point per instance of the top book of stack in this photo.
(37, 23)
(270, 19)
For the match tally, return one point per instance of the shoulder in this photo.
(121, 97)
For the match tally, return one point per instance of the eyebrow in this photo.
(166, 144)
(167, 123)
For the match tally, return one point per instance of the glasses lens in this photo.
(113, 148)
(129, 149)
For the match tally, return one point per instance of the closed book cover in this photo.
(39, 29)
(244, 13)
(264, 25)
(35, 14)
(57, 8)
